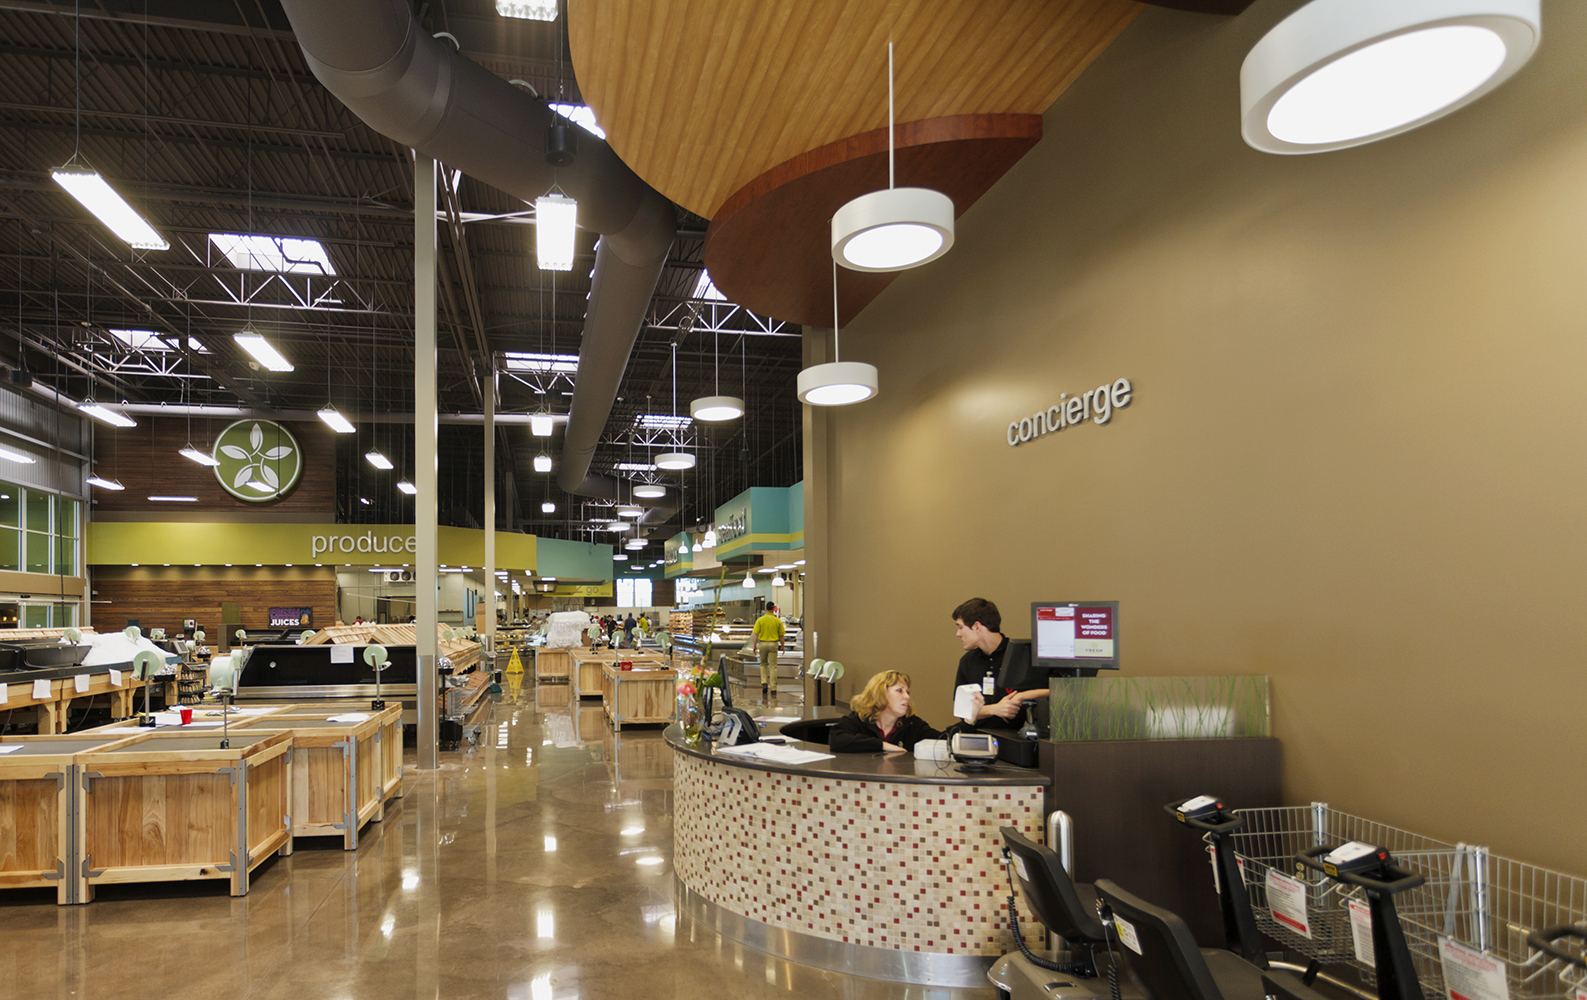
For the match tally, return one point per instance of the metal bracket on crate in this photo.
(59, 873)
(346, 748)
(60, 779)
(89, 871)
(343, 824)
(230, 772)
(231, 867)
(89, 776)
(286, 821)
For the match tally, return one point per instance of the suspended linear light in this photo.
(650, 491)
(105, 414)
(896, 228)
(630, 510)
(378, 460)
(542, 462)
(548, 508)
(262, 350)
(105, 484)
(407, 487)
(540, 425)
(716, 408)
(1341, 73)
(556, 223)
(165, 499)
(264, 487)
(675, 460)
(529, 10)
(89, 188)
(201, 457)
(335, 421)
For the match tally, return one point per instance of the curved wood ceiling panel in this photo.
(702, 98)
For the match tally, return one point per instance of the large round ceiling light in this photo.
(1342, 73)
(714, 409)
(650, 491)
(674, 460)
(893, 229)
(837, 383)
(629, 510)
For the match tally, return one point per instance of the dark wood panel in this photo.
(1116, 790)
(145, 460)
(164, 603)
(1229, 7)
(769, 247)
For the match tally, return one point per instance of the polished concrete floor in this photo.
(533, 866)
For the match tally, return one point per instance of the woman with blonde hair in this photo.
(882, 719)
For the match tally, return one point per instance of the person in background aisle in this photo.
(883, 719)
(611, 631)
(628, 631)
(768, 643)
(992, 664)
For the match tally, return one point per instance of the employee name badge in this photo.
(1127, 934)
(988, 686)
(1286, 897)
(1361, 933)
(1470, 974)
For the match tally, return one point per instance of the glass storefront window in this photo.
(63, 615)
(49, 541)
(66, 556)
(38, 552)
(66, 517)
(11, 550)
(38, 511)
(10, 504)
(35, 616)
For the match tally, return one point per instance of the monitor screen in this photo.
(1077, 636)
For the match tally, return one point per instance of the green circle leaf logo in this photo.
(259, 460)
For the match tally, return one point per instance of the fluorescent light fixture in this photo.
(619, 557)
(837, 383)
(100, 198)
(407, 487)
(201, 457)
(705, 288)
(105, 414)
(281, 254)
(675, 460)
(161, 499)
(262, 350)
(542, 462)
(580, 115)
(785, 565)
(518, 361)
(799, 562)
(893, 229)
(635, 467)
(664, 422)
(766, 569)
(650, 491)
(629, 510)
(263, 487)
(378, 460)
(105, 484)
(540, 425)
(1342, 73)
(362, 500)
(335, 421)
(556, 224)
(529, 10)
(717, 408)
(548, 507)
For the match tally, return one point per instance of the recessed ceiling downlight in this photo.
(837, 383)
(1342, 73)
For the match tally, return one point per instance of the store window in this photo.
(10, 527)
(39, 532)
(633, 593)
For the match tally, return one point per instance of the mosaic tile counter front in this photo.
(910, 867)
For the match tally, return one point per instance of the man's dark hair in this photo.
(979, 609)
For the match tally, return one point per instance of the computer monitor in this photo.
(1074, 638)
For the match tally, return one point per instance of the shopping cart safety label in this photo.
(1361, 933)
(1127, 934)
(1470, 974)
(1286, 897)
(1019, 866)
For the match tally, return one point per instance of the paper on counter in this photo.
(11, 747)
(779, 754)
(115, 678)
(80, 683)
(778, 719)
(41, 689)
(349, 717)
(341, 654)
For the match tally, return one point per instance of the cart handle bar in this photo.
(1403, 879)
(1227, 826)
(1544, 941)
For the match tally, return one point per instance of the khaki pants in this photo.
(768, 662)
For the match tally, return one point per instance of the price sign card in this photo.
(41, 689)
(115, 677)
(1470, 974)
(80, 683)
(1361, 933)
(1287, 898)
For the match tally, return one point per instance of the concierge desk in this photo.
(885, 867)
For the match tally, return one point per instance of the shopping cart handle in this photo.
(1232, 823)
(1402, 879)
(1544, 941)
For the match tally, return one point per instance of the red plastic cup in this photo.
(187, 714)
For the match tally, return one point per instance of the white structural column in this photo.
(424, 453)
(490, 511)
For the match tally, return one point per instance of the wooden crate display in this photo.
(206, 719)
(54, 709)
(339, 770)
(553, 664)
(174, 805)
(637, 696)
(38, 782)
(588, 664)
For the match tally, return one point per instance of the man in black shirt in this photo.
(995, 664)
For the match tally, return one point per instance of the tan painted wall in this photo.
(1356, 459)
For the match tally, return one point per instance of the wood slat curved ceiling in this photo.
(700, 98)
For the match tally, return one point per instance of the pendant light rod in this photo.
(890, 125)
(835, 283)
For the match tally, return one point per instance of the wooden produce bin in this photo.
(553, 664)
(38, 780)
(53, 710)
(585, 672)
(388, 738)
(173, 806)
(338, 771)
(637, 696)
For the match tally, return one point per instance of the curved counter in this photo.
(879, 866)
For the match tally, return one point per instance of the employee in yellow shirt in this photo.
(768, 643)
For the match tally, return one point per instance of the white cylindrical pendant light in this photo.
(548, 507)
(749, 580)
(542, 462)
(1341, 73)
(893, 229)
(837, 383)
(674, 460)
(540, 424)
(714, 409)
(629, 510)
(650, 491)
(556, 223)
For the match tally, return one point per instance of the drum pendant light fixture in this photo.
(715, 409)
(837, 383)
(1342, 73)
(896, 228)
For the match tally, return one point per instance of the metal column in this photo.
(424, 452)
(490, 512)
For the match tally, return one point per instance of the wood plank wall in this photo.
(145, 460)
(162, 598)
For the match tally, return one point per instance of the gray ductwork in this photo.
(415, 89)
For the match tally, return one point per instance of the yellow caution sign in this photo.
(515, 665)
(514, 674)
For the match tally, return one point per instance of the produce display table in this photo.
(52, 710)
(173, 805)
(588, 664)
(553, 664)
(637, 696)
(38, 784)
(340, 776)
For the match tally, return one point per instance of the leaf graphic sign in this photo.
(259, 460)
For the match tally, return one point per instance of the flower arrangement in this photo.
(695, 683)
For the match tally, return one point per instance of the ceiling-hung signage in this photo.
(259, 460)
(735, 526)
(1094, 405)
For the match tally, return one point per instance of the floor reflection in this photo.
(535, 865)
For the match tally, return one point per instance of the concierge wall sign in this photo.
(1095, 406)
